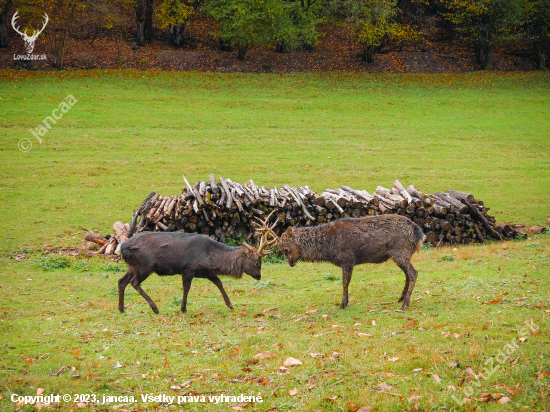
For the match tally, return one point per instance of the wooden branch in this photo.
(489, 227)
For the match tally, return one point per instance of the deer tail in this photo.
(419, 237)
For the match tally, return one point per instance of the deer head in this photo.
(29, 40)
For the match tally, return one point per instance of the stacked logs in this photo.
(220, 207)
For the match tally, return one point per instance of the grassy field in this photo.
(131, 132)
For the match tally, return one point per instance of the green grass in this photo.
(131, 132)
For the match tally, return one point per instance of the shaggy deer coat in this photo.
(350, 242)
(189, 254)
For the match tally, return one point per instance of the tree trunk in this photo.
(241, 52)
(140, 21)
(176, 34)
(280, 47)
(225, 45)
(484, 51)
(4, 24)
(59, 41)
(540, 57)
(149, 35)
(369, 54)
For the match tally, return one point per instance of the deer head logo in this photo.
(29, 40)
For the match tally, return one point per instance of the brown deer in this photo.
(350, 242)
(190, 254)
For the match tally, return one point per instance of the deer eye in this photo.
(258, 264)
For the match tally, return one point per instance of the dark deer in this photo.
(350, 242)
(189, 254)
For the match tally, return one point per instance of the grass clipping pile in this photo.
(222, 208)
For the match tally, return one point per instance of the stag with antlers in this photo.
(29, 40)
(189, 254)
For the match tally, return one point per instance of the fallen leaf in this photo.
(436, 377)
(393, 359)
(503, 400)
(81, 405)
(366, 409)
(311, 312)
(373, 323)
(325, 317)
(513, 391)
(75, 352)
(543, 374)
(119, 365)
(445, 334)
(352, 407)
(265, 355)
(493, 302)
(175, 387)
(39, 391)
(243, 313)
(384, 387)
(456, 335)
(411, 323)
(363, 335)
(317, 355)
(293, 392)
(536, 331)
(292, 362)
(414, 398)
(186, 384)
(417, 370)
(236, 408)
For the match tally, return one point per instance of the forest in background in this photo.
(280, 35)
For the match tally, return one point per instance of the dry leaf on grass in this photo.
(414, 398)
(39, 391)
(436, 377)
(393, 359)
(317, 355)
(175, 387)
(366, 409)
(293, 392)
(236, 408)
(119, 365)
(265, 355)
(311, 312)
(325, 317)
(363, 335)
(504, 399)
(384, 387)
(292, 362)
(456, 336)
(411, 323)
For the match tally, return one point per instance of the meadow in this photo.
(133, 131)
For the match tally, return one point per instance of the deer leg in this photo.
(216, 281)
(405, 289)
(186, 287)
(136, 283)
(411, 275)
(346, 277)
(122, 283)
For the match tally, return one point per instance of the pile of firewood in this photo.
(218, 208)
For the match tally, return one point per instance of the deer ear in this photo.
(247, 248)
(289, 232)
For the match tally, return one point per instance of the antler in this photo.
(24, 34)
(35, 34)
(15, 16)
(266, 231)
